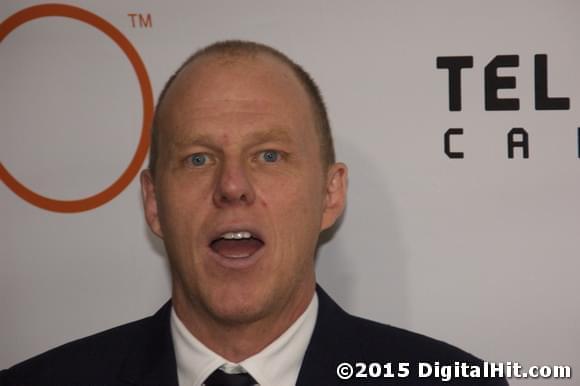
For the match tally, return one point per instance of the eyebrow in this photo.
(275, 134)
(197, 139)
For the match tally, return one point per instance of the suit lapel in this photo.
(152, 358)
(331, 338)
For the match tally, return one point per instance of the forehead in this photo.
(244, 89)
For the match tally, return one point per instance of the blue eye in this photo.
(198, 159)
(270, 155)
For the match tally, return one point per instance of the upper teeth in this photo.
(236, 235)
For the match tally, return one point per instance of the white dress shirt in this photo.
(277, 364)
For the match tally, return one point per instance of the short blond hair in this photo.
(244, 49)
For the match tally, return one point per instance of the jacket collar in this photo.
(330, 337)
(152, 358)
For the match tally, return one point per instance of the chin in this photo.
(240, 303)
(244, 313)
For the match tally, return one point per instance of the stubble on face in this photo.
(233, 111)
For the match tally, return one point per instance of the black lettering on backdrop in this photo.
(493, 82)
(517, 137)
(543, 101)
(521, 142)
(447, 143)
(454, 64)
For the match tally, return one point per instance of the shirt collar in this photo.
(277, 364)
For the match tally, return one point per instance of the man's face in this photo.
(239, 156)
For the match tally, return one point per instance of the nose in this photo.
(233, 187)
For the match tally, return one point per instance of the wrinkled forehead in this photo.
(243, 82)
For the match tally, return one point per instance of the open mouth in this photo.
(236, 244)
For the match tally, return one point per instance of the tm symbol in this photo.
(141, 20)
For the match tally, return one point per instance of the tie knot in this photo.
(221, 378)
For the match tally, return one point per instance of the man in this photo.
(242, 180)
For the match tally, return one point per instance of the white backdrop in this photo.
(480, 251)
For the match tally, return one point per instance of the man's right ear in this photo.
(150, 202)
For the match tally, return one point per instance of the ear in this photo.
(150, 202)
(335, 194)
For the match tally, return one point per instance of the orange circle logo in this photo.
(94, 201)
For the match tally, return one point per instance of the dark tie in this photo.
(220, 378)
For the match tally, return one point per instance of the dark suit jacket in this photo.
(141, 353)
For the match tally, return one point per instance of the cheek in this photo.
(296, 212)
(290, 190)
(180, 221)
(185, 191)
(182, 206)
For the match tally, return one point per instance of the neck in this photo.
(236, 341)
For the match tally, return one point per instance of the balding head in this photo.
(238, 151)
(235, 50)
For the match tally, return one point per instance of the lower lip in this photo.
(239, 263)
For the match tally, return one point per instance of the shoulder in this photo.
(376, 339)
(98, 357)
(413, 358)
(369, 338)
